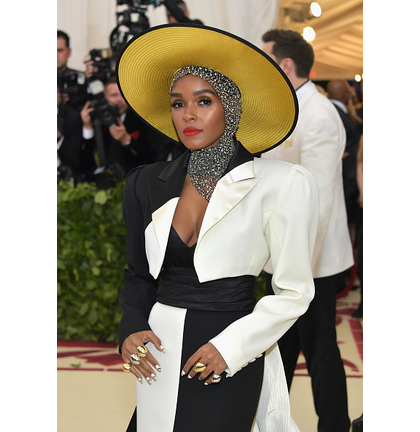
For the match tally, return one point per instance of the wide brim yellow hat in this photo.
(149, 61)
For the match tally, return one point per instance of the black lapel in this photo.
(240, 156)
(169, 183)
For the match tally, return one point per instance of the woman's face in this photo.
(197, 113)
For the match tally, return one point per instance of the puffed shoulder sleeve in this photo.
(290, 234)
(138, 293)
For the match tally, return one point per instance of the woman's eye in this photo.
(176, 104)
(205, 101)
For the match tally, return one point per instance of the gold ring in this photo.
(215, 379)
(126, 367)
(200, 367)
(135, 360)
(142, 351)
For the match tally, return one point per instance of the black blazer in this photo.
(351, 190)
(69, 124)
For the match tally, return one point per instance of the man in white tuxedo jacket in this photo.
(317, 143)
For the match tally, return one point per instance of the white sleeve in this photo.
(87, 133)
(321, 153)
(290, 233)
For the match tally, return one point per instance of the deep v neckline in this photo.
(182, 241)
(189, 213)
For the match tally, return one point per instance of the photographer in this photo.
(124, 138)
(69, 141)
(72, 82)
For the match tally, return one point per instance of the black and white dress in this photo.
(189, 296)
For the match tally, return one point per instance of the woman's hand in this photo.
(209, 356)
(145, 368)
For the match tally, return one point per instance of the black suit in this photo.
(147, 146)
(69, 152)
(351, 191)
(72, 82)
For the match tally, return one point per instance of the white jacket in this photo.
(318, 143)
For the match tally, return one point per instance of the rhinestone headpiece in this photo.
(206, 166)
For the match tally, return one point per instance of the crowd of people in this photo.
(100, 138)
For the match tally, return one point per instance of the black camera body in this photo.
(73, 84)
(107, 114)
(103, 60)
(131, 20)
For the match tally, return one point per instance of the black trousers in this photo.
(315, 334)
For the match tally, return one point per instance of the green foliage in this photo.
(90, 261)
(260, 286)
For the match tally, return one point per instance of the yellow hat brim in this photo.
(149, 61)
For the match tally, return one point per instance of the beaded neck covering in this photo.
(206, 166)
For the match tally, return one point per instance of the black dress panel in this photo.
(229, 406)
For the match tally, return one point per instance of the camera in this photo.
(103, 112)
(73, 85)
(131, 20)
(107, 114)
(71, 82)
(104, 61)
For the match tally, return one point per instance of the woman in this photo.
(201, 228)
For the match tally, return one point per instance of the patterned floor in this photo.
(91, 398)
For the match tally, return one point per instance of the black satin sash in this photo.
(180, 287)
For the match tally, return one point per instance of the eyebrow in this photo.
(196, 93)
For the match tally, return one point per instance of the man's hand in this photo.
(85, 115)
(119, 132)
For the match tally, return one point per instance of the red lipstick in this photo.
(191, 131)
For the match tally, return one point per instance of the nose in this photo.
(190, 113)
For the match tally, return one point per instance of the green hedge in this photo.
(90, 261)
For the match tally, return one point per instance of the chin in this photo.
(197, 145)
